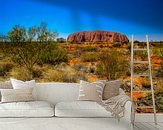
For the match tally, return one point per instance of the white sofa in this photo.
(58, 102)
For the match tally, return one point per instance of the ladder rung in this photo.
(141, 62)
(141, 75)
(142, 91)
(140, 49)
(144, 106)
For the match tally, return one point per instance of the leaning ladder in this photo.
(133, 61)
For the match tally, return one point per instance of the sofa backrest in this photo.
(55, 92)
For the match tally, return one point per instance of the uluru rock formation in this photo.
(97, 36)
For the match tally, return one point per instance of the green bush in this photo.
(90, 48)
(143, 55)
(89, 57)
(157, 52)
(54, 55)
(113, 65)
(117, 44)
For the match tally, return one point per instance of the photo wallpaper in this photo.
(73, 40)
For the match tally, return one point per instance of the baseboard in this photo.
(148, 117)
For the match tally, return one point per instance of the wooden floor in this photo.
(148, 126)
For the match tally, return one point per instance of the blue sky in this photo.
(138, 17)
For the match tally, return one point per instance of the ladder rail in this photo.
(132, 66)
(151, 80)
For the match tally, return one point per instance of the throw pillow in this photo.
(18, 84)
(111, 89)
(91, 91)
(5, 85)
(16, 95)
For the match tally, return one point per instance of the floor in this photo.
(148, 126)
(73, 124)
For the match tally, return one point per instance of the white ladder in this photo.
(142, 75)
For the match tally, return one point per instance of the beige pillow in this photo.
(5, 85)
(111, 89)
(91, 91)
(16, 95)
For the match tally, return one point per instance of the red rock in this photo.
(97, 36)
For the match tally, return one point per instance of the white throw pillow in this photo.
(18, 84)
(16, 95)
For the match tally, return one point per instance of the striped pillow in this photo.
(16, 95)
(91, 91)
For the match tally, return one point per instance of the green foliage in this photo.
(112, 65)
(143, 55)
(44, 35)
(129, 46)
(90, 48)
(117, 44)
(158, 99)
(26, 52)
(89, 57)
(53, 55)
(157, 52)
(61, 40)
(17, 34)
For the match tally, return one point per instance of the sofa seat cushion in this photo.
(80, 109)
(26, 109)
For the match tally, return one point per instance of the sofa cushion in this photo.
(80, 109)
(26, 109)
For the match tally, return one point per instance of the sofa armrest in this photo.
(128, 113)
(128, 110)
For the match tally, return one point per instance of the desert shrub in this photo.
(37, 72)
(113, 65)
(53, 75)
(54, 55)
(89, 57)
(62, 73)
(20, 73)
(157, 52)
(129, 46)
(117, 44)
(143, 55)
(90, 48)
(145, 83)
(5, 67)
(158, 97)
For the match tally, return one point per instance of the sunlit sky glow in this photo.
(139, 17)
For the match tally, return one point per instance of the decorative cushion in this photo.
(5, 85)
(16, 95)
(91, 91)
(111, 89)
(18, 84)
(26, 109)
(80, 109)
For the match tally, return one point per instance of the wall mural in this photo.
(69, 41)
